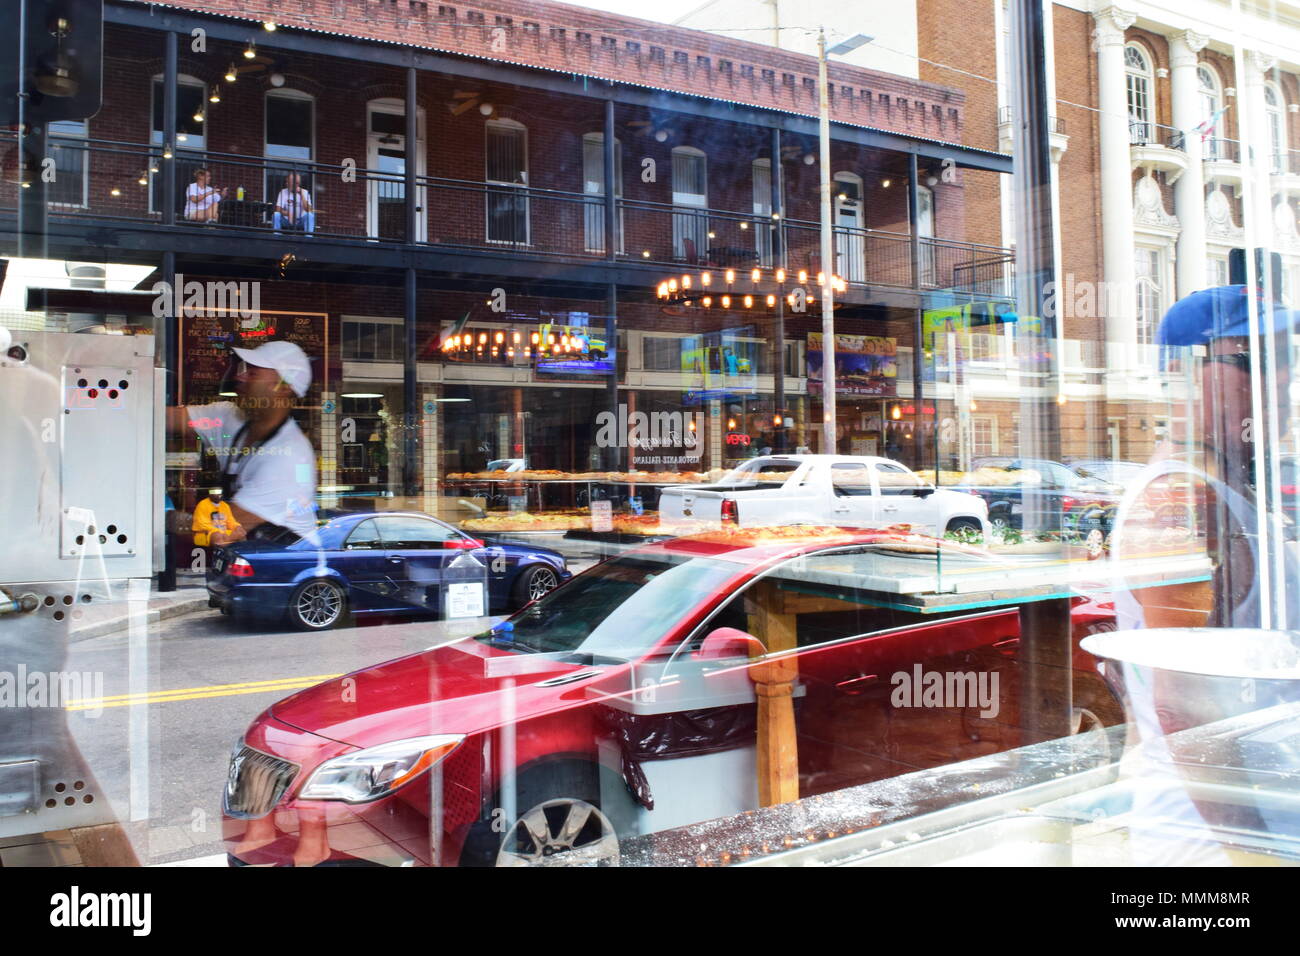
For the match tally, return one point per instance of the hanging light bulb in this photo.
(731, 276)
(516, 337)
(686, 282)
(707, 301)
(749, 301)
(215, 95)
(755, 275)
(803, 276)
(744, 225)
(731, 424)
(268, 26)
(482, 338)
(778, 421)
(706, 278)
(771, 301)
(198, 116)
(143, 180)
(726, 301)
(780, 275)
(536, 338)
(896, 413)
(231, 75)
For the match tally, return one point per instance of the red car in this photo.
(625, 703)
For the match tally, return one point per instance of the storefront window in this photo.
(496, 436)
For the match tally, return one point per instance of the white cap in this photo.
(286, 358)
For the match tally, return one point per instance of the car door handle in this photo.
(889, 508)
(396, 560)
(856, 685)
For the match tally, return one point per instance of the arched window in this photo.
(691, 197)
(1207, 82)
(593, 184)
(506, 174)
(1141, 112)
(925, 230)
(1275, 118)
(289, 138)
(191, 139)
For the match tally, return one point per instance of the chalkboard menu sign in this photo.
(207, 338)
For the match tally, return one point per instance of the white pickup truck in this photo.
(840, 490)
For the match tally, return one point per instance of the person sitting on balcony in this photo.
(202, 202)
(293, 207)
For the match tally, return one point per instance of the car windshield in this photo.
(649, 593)
(762, 471)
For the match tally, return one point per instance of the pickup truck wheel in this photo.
(964, 524)
(999, 523)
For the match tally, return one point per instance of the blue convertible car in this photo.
(390, 563)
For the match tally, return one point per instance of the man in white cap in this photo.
(268, 467)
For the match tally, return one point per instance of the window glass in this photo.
(414, 534)
(364, 537)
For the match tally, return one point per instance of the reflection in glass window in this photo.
(1141, 114)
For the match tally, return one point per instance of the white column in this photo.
(1189, 190)
(1253, 120)
(1116, 182)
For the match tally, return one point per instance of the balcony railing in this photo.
(1219, 150)
(1153, 134)
(1054, 123)
(125, 181)
(1285, 162)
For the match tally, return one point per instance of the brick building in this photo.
(500, 229)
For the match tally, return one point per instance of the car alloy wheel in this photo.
(318, 605)
(565, 832)
(541, 582)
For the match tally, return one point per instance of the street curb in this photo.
(152, 616)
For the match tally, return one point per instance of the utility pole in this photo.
(827, 253)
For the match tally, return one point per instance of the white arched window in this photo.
(1275, 119)
(593, 184)
(1138, 80)
(850, 227)
(506, 173)
(691, 200)
(1211, 101)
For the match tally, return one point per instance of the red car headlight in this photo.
(377, 771)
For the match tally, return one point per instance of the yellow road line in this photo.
(199, 693)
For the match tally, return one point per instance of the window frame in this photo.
(1143, 112)
(285, 164)
(82, 136)
(489, 127)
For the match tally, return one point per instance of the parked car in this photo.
(841, 490)
(624, 703)
(370, 564)
(1118, 473)
(1045, 494)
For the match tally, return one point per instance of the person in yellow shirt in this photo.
(214, 522)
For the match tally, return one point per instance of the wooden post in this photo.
(778, 750)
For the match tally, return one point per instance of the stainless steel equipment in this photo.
(81, 515)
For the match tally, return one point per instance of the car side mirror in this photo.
(728, 643)
(923, 492)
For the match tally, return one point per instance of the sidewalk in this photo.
(98, 620)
